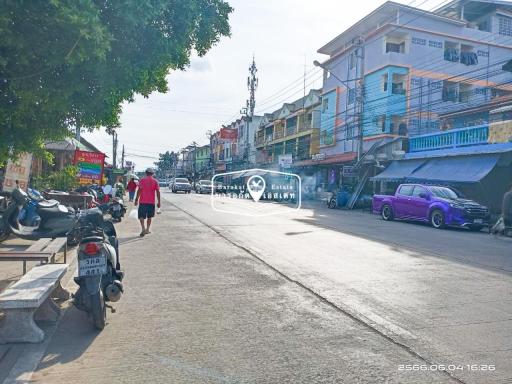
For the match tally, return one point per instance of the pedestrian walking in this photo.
(148, 188)
(506, 208)
(131, 187)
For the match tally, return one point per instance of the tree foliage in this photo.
(66, 62)
(166, 163)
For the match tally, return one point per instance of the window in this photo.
(398, 86)
(451, 51)
(385, 82)
(450, 91)
(418, 41)
(465, 92)
(505, 26)
(395, 47)
(406, 190)
(467, 55)
(325, 105)
(418, 190)
(351, 95)
(382, 123)
(435, 44)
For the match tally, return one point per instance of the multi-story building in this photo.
(203, 159)
(292, 130)
(395, 72)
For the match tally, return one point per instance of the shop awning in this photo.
(460, 169)
(399, 170)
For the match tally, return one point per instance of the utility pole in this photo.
(114, 149)
(250, 104)
(122, 158)
(360, 94)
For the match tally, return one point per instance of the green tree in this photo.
(66, 63)
(166, 163)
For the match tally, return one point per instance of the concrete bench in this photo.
(30, 299)
(43, 250)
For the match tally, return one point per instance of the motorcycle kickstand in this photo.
(112, 309)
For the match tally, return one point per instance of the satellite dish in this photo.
(107, 189)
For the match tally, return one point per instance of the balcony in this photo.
(451, 139)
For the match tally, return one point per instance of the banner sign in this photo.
(18, 170)
(90, 166)
(285, 161)
(228, 134)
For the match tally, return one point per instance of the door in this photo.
(419, 205)
(403, 201)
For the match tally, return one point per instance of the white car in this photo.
(181, 184)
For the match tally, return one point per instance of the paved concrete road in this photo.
(198, 309)
(446, 295)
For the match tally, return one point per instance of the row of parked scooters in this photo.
(29, 215)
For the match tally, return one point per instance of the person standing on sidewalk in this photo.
(148, 187)
(131, 187)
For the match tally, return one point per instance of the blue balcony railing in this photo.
(450, 139)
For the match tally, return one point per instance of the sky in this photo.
(283, 36)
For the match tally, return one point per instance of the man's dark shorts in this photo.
(146, 211)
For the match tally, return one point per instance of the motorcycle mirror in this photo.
(107, 189)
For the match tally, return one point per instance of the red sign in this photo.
(229, 134)
(90, 166)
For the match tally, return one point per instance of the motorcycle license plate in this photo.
(92, 266)
(478, 221)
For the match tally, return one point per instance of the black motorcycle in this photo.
(99, 271)
(31, 217)
(116, 209)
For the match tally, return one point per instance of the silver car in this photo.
(181, 184)
(204, 186)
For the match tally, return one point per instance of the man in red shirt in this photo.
(148, 186)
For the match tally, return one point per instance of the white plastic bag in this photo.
(133, 214)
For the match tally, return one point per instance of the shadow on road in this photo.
(417, 239)
(72, 338)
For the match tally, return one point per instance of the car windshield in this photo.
(181, 181)
(443, 192)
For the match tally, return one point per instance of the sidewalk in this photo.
(10, 272)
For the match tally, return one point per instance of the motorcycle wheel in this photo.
(98, 311)
(73, 238)
(4, 235)
(332, 204)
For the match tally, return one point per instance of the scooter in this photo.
(117, 209)
(31, 217)
(99, 271)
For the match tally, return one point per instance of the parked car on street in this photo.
(439, 206)
(204, 186)
(163, 183)
(181, 184)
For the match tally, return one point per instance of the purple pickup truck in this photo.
(439, 206)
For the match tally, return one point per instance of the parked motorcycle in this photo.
(99, 271)
(31, 217)
(4, 203)
(117, 209)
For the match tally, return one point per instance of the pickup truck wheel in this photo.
(387, 212)
(437, 219)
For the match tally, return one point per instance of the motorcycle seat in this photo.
(90, 239)
(47, 203)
